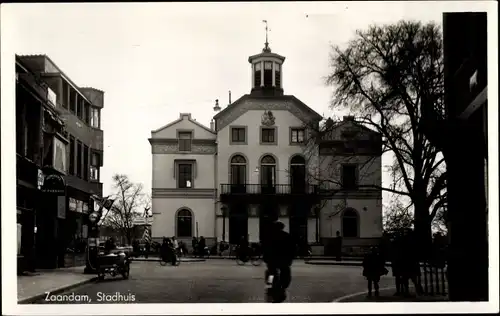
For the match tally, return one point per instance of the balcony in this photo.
(254, 192)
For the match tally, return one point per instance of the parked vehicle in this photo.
(117, 262)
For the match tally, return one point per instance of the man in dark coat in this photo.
(278, 252)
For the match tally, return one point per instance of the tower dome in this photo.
(267, 71)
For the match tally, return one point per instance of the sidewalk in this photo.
(387, 295)
(332, 261)
(33, 287)
(156, 259)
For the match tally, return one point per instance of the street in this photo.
(218, 281)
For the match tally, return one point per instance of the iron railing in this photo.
(433, 279)
(279, 189)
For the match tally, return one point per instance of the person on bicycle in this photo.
(165, 250)
(201, 246)
(175, 244)
(278, 253)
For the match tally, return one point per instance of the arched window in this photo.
(238, 174)
(268, 173)
(298, 160)
(350, 223)
(184, 223)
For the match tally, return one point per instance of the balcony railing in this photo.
(277, 189)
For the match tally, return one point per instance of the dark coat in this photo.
(278, 249)
(374, 266)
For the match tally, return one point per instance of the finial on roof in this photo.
(266, 48)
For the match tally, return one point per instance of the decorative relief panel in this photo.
(265, 105)
(173, 149)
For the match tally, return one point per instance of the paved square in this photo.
(222, 281)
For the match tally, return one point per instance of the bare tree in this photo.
(384, 76)
(128, 206)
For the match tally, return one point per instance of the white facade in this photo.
(265, 123)
(168, 196)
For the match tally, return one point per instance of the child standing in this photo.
(373, 269)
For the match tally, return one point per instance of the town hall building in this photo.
(257, 163)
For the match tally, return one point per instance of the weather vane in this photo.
(266, 48)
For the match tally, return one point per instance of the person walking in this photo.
(175, 244)
(278, 253)
(410, 263)
(201, 246)
(373, 269)
(397, 265)
(194, 244)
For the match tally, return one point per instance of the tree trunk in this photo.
(468, 249)
(423, 231)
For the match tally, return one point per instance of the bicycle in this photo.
(254, 258)
(274, 293)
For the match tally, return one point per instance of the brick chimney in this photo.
(212, 125)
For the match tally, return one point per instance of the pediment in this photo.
(250, 103)
(183, 123)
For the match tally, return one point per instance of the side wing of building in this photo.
(183, 173)
(351, 176)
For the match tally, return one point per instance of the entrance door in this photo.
(298, 174)
(268, 213)
(238, 223)
(298, 223)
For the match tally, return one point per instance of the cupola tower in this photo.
(267, 71)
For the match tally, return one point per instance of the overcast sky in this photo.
(156, 60)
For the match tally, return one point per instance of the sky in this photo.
(155, 60)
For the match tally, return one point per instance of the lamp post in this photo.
(316, 213)
(224, 214)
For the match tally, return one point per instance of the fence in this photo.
(433, 279)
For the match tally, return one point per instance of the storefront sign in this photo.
(72, 204)
(54, 184)
(79, 206)
(92, 242)
(61, 207)
(41, 177)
